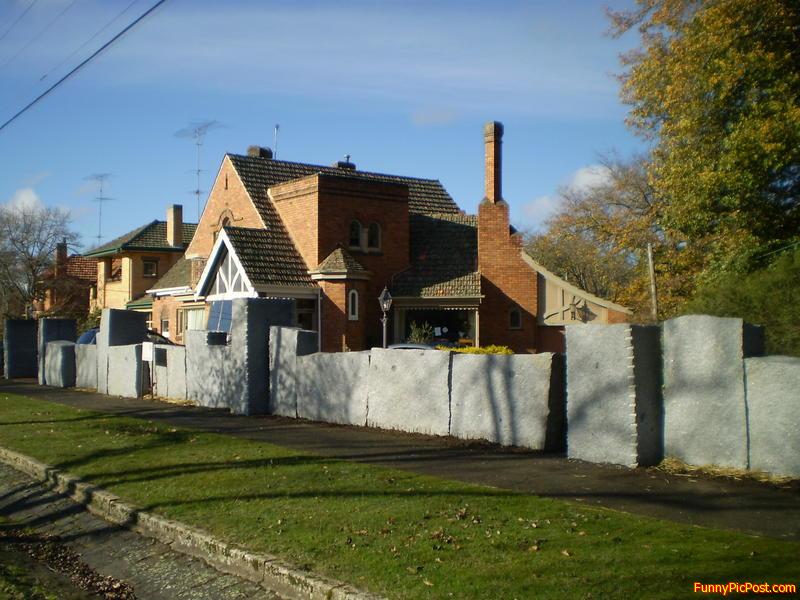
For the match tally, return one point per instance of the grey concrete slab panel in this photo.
(206, 368)
(117, 328)
(705, 420)
(169, 371)
(333, 387)
(285, 345)
(773, 408)
(601, 395)
(126, 375)
(86, 366)
(261, 315)
(614, 402)
(20, 348)
(59, 364)
(51, 330)
(409, 390)
(235, 375)
(502, 399)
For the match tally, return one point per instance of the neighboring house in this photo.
(131, 264)
(174, 308)
(69, 285)
(332, 238)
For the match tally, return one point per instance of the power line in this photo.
(19, 18)
(38, 35)
(81, 65)
(87, 42)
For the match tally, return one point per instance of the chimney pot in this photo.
(345, 164)
(175, 225)
(259, 151)
(493, 142)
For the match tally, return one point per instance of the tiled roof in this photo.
(424, 195)
(340, 261)
(152, 236)
(82, 268)
(179, 275)
(444, 257)
(268, 259)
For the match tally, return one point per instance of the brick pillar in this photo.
(493, 142)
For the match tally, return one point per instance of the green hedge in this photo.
(479, 349)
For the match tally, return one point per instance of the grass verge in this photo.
(392, 532)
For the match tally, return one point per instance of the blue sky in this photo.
(403, 87)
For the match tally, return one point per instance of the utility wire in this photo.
(19, 18)
(81, 65)
(87, 42)
(38, 35)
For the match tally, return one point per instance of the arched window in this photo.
(355, 235)
(352, 305)
(374, 237)
(515, 318)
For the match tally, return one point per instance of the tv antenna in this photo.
(275, 145)
(197, 131)
(99, 179)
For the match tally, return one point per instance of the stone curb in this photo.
(263, 569)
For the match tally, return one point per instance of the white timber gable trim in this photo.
(224, 277)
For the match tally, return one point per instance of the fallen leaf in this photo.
(428, 583)
(566, 553)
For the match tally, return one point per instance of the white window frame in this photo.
(144, 269)
(352, 305)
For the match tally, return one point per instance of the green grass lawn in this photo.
(388, 531)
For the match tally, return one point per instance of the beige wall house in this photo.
(131, 264)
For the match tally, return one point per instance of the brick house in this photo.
(129, 265)
(69, 285)
(332, 238)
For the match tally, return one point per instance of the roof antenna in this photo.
(277, 127)
(100, 179)
(197, 131)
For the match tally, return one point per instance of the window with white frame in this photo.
(352, 305)
(165, 327)
(150, 268)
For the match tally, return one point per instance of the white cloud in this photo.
(25, 198)
(538, 210)
(589, 177)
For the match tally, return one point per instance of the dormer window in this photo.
(355, 235)
(374, 237)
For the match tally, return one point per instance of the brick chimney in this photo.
(175, 225)
(61, 257)
(493, 141)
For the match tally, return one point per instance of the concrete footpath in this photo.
(152, 569)
(725, 503)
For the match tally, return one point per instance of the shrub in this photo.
(768, 297)
(479, 349)
(420, 334)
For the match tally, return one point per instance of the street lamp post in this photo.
(385, 300)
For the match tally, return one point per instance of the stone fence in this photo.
(694, 388)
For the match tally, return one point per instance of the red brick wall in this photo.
(230, 200)
(318, 211)
(506, 281)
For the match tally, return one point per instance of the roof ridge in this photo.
(345, 172)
